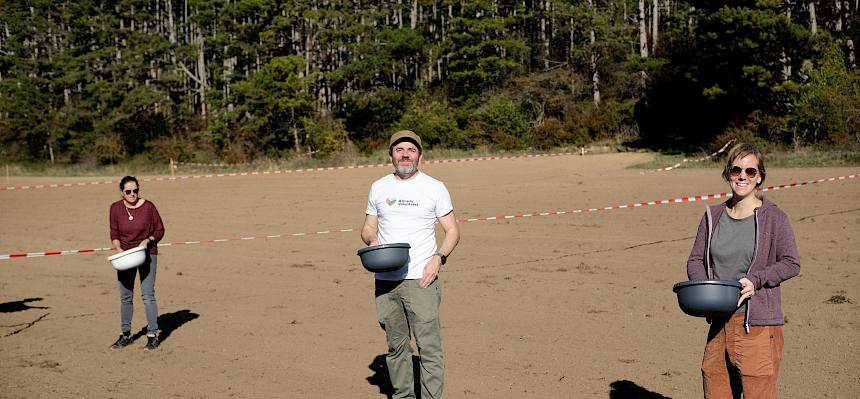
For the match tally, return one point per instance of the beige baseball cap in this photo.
(404, 135)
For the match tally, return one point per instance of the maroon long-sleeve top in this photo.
(130, 233)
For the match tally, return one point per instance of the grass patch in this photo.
(803, 158)
(814, 158)
(142, 166)
(661, 160)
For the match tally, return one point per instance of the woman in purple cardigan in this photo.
(135, 222)
(748, 239)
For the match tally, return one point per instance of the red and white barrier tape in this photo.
(680, 200)
(685, 160)
(277, 172)
(208, 164)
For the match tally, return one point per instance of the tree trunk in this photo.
(849, 41)
(690, 18)
(400, 14)
(655, 23)
(413, 15)
(171, 27)
(543, 36)
(186, 29)
(852, 57)
(786, 66)
(595, 75)
(201, 73)
(570, 40)
(839, 15)
(295, 131)
(813, 21)
(643, 31)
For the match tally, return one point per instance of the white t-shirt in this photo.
(407, 212)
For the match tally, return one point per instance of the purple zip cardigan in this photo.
(775, 260)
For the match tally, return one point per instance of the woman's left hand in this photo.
(747, 290)
(144, 243)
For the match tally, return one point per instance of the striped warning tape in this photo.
(217, 164)
(685, 160)
(680, 200)
(175, 243)
(585, 210)
(694, 198)
(277, 172)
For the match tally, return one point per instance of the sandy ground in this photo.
(571, 306)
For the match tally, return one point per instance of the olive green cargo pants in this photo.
(403, 307)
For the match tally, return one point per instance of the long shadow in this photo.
(169, 322)
(625, 389)
(18, 306)
(381, 379)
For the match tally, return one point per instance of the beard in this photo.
(406, 171)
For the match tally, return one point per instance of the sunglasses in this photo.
(735, 171)
(128, 192)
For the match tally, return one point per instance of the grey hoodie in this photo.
(775, 260)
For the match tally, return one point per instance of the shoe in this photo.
(121, 342)
(151, 343)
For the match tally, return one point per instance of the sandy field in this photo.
(569, 306)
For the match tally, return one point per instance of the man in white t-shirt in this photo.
(404, 207)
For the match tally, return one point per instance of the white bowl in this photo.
(128, 259)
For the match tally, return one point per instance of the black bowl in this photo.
(708, 298)
(385, 257)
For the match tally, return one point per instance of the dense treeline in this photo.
(99, 81)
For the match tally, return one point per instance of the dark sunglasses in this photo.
(128, 192)
(735, 171)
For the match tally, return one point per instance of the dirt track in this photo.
(571, 306)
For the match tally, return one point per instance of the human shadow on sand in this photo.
(169, 322)
(381, 379)
(18, 306)
(624, 389)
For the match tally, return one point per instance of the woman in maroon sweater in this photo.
(748, 239)
(135, 222)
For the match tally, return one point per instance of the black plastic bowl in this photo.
(708, 298)
(385, 257)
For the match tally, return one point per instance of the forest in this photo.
(101, 82)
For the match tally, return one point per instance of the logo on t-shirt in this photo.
(402, 202)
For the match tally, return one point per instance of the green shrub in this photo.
(611, 120)
(326, 136)
(434, 121)
(109, 148)
(549, 134)
(500, 123)
(827, 110)
(177, 148)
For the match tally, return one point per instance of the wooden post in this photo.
(172, 167)
(7, 174)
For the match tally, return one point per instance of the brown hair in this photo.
(741, 150)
